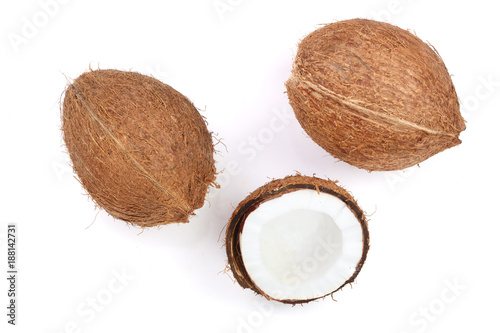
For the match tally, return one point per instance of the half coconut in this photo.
(297, 239)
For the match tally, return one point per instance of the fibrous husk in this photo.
(140, 149)
(374, 95)
(273, 190)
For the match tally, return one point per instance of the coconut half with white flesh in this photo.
(297, 239)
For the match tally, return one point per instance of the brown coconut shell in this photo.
(140, 149)
(272, 190)
(374, 95)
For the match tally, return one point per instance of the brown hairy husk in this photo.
(273, 190)
(374, 95)
(140, 149)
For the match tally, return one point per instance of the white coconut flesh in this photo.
(301, 245)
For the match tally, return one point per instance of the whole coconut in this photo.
(140, 149)
(374, 95)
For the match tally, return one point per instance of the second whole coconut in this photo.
(140, 148)
(374, 95)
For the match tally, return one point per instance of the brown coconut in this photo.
(374, 95)
(140, 149)
(273, 190)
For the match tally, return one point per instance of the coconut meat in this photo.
(302, 245)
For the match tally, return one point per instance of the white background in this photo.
(433, 263)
